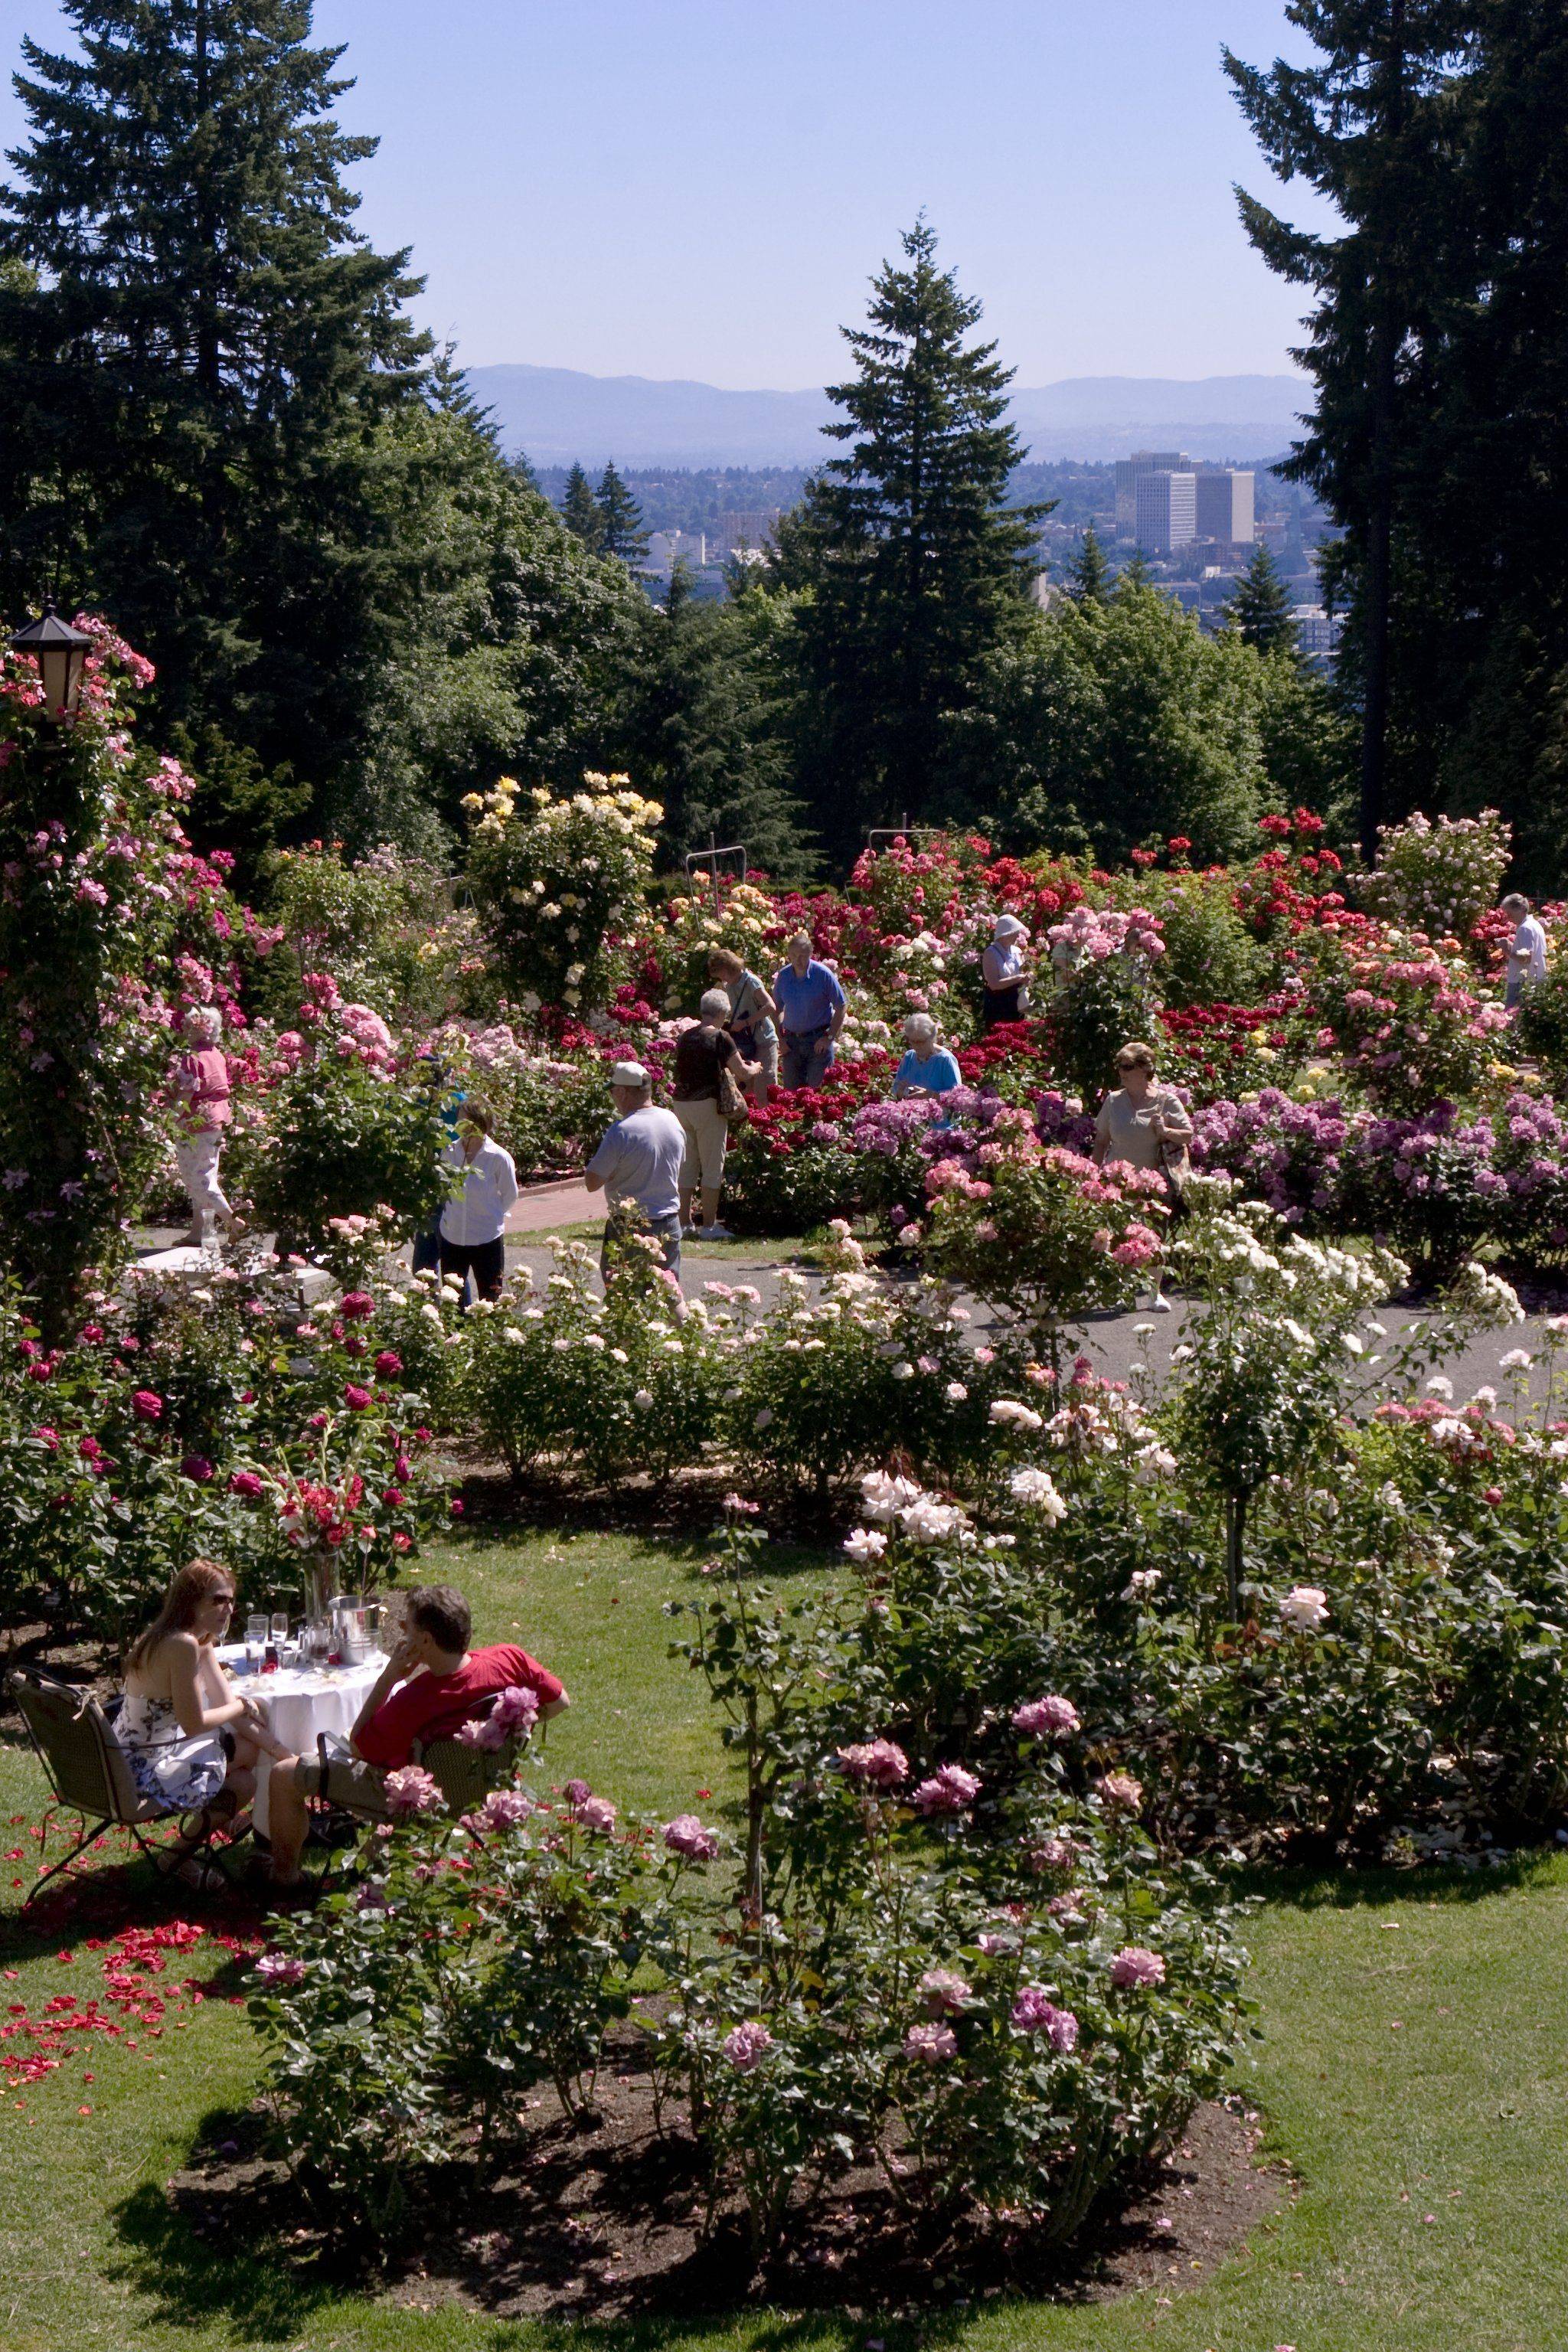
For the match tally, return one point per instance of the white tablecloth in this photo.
(301, 1702)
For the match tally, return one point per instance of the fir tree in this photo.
(621, 530)
(1368, 127)
(1089, 574)
(579, 512)
(1260, 610)
(915, 564)
(199, 359)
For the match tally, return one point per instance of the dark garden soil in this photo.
(601, 2222)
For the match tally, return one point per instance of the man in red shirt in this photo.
(430, 1686)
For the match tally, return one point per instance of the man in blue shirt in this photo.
(812, 1006)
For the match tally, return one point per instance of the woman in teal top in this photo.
(926, 1069)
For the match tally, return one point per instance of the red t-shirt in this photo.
(433, 1707)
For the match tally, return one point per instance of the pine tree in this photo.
(579, 512)
(198, 360)
(1368, 127)
(1260, 610)
(915, 564)
(1089, 574)
(621, 530)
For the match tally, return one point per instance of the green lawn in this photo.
(1413, 2069)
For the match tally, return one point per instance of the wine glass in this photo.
(255, 1629)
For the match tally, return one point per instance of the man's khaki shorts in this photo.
(346, 1780)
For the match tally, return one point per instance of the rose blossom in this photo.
(1038, 1490)
(747, 2045)
(1043, 1718)
(686, 1835)
(1034, 2011)
(1121, 1789)
(943, 1992)
(1306, 1606)
(412, 1789)
(877, 1762)
(866, 1544)
(1135, 1967)
(276, 1969)
(146, 1405)
(950, 1789)
(930, 2043)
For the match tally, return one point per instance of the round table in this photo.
(301, 1703)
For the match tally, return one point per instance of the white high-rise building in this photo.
(1167, 511)
(1129, 471)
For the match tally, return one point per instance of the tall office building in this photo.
(1168, 510)
(1129, 471)
(1225, 506)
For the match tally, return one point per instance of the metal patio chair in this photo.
(90, 1772)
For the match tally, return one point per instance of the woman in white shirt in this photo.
(473, 1222)
(1143, 1126)
(1005, 971)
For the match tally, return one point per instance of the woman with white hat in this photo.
(1005, 970)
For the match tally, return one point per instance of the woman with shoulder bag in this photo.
(706, 1095)
(753, 1021)
(1145, 1125)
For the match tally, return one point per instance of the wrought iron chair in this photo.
(90, 1772)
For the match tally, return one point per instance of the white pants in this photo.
(197, 1157)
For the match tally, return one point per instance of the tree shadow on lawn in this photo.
(1348, 1889)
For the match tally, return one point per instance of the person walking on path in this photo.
(473, 1222)
(1005, 970)
(706, 1093)
(1527, 952)
(753, 1020)
(638, 1168)
(1144, 1125)
(812, 1005)
(202, 1081)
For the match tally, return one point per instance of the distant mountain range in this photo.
(556, 416)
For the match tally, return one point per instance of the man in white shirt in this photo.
(473, 1222)
(1527, 956)
(638, 1168)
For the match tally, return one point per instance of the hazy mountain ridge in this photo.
(558, 416)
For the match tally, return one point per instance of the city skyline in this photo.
(705, 191)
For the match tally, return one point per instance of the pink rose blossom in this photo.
(412, 1791)
(1135, 1967)
(878, 1762)
(950, 1789)
(1045, 1718)
(930, 2043)
(943, 1992)
(1034, 2011)
(747, 2045)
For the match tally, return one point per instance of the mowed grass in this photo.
(1413, 2072)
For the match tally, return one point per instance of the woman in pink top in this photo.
(201, 1078)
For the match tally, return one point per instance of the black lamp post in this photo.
(61, 654)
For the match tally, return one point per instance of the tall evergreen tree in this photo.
(1368, 125)
(912, 562)
(579, 511)
(1259, 609)
(198, 362)
(621, 530)
(1089, 574)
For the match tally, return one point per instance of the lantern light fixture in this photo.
(60, 651)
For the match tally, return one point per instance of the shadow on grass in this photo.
(1448, 1882)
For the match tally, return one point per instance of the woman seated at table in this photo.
(926, 1069)
(191, 1741)
(430, 1686)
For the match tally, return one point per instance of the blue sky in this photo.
(703, 187)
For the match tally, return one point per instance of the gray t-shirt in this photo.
(640, 1159)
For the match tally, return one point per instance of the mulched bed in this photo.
(600, 2223)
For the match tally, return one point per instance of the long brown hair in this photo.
(197, 1582)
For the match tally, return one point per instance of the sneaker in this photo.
(714, 1233)
(1159, 1304)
